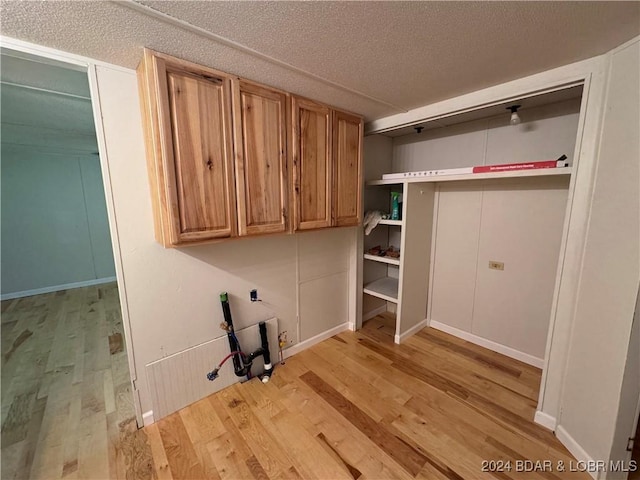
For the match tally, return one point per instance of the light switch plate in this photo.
(496, 265)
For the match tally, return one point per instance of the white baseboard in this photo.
(412, 331)
(297, 348)
(56, 288)
(545, 420)
(483, 342)
(576, 450)
(374, 313)
(147, 418)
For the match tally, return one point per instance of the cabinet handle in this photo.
(209, 164)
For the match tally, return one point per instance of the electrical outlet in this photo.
(496, 265)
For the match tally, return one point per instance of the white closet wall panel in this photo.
(377, 236)
(456, 250)
(395, 237)
(521, 226)
(323, 252)
(416, 246)
(544, 134)
(393, 271)
(450, 147)
(323, 304)
(371, 304)
(378, 151)
(323, 280)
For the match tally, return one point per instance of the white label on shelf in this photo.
(428, 173)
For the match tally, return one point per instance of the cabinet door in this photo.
(312, 164)
(262, 181)
(347, 169)
(190, 110)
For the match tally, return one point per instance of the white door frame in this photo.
(89, 65)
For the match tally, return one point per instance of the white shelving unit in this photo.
(409, 291)
(381, 273)
(407, 282)
(385, 288)
(376, 258)
(539, 172)
(396, 223)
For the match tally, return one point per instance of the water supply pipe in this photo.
(242, 362)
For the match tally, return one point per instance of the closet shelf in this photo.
(539, 172)
(377, 258)
(391, 222)
(385, 288)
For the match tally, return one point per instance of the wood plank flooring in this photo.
(357, 406)
(67, 406)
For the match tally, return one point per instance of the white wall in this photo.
(545, 133)
(518, 223)
(54, 220)
(172, 294)
(323, 279)
(629, 406)
(599, 338)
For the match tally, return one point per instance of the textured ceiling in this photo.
(375, 58)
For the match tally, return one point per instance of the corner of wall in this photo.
(577, 451)
(147, 418)
(545, 420)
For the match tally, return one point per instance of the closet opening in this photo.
(474, 256)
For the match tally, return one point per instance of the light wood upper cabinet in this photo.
(347, 170)
(262, 171)
(228, 157)
(327, 157)
(187, 111)
(312, 124)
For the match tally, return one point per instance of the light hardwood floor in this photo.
(67, 407)
(355, 406)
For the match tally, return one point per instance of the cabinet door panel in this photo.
(261, 159)
(201, 156)
(312, 159)
(347, 158)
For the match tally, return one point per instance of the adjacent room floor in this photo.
(67, 406)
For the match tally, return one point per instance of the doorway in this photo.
(66, 383)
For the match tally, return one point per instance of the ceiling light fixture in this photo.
(515, 118)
